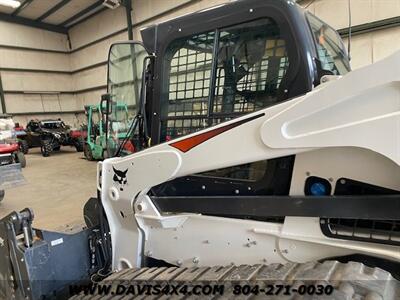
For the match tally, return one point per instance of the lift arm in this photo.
(361, 109)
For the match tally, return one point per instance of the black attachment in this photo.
(36, 264)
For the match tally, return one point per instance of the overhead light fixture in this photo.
(10, 3)
(113, 4)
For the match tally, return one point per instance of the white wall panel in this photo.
(144, 9)
(366, 48)
(38, 82)
(25, 59)
(92, 97)
(95, 53)
(24, 36)
(98, 27)
(383, 9)
(90, 78)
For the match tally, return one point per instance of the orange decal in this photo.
(186, 144)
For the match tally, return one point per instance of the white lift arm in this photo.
(361, 109)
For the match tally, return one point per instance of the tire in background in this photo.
(24, 146)
(79, 145)
(87, 152)
(46, 147)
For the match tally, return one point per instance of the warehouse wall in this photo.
(78, 73)
(110, 26)
(366, 48)
(34, 70)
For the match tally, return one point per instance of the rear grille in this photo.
(372, 231)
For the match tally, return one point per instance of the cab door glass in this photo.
(252, 63)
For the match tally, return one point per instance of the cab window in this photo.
(222, 74)
(203, 89)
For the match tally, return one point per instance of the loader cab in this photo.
(217, 64)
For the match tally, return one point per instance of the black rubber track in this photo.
(350, 280)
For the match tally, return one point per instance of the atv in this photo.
(50, 135)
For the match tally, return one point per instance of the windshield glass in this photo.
(125, 68)
(330, 49)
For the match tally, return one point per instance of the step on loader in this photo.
(270, 164)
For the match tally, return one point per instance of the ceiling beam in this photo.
(28, 22)
(81, 13)
(21, 7)
(53, 10)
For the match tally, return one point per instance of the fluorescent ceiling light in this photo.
(10, 3)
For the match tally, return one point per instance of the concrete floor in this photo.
(57, 188)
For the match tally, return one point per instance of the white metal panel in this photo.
(24, 36)
(362, 109)
(90, 78)
(144, 9)
(92, 97)
(37, 8)
(382, 9)
(25, 59)
(95, 53)
(385, 42)
(101, 25)
(42, 82)
(70, 9)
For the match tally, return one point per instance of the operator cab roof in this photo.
(154, 35)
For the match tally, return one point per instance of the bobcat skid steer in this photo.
(270, 162)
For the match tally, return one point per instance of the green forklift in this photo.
(95, 137)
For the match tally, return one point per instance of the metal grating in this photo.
(373, 231)
(249, 69)
(189, 86)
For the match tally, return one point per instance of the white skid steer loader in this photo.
(273, 170)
